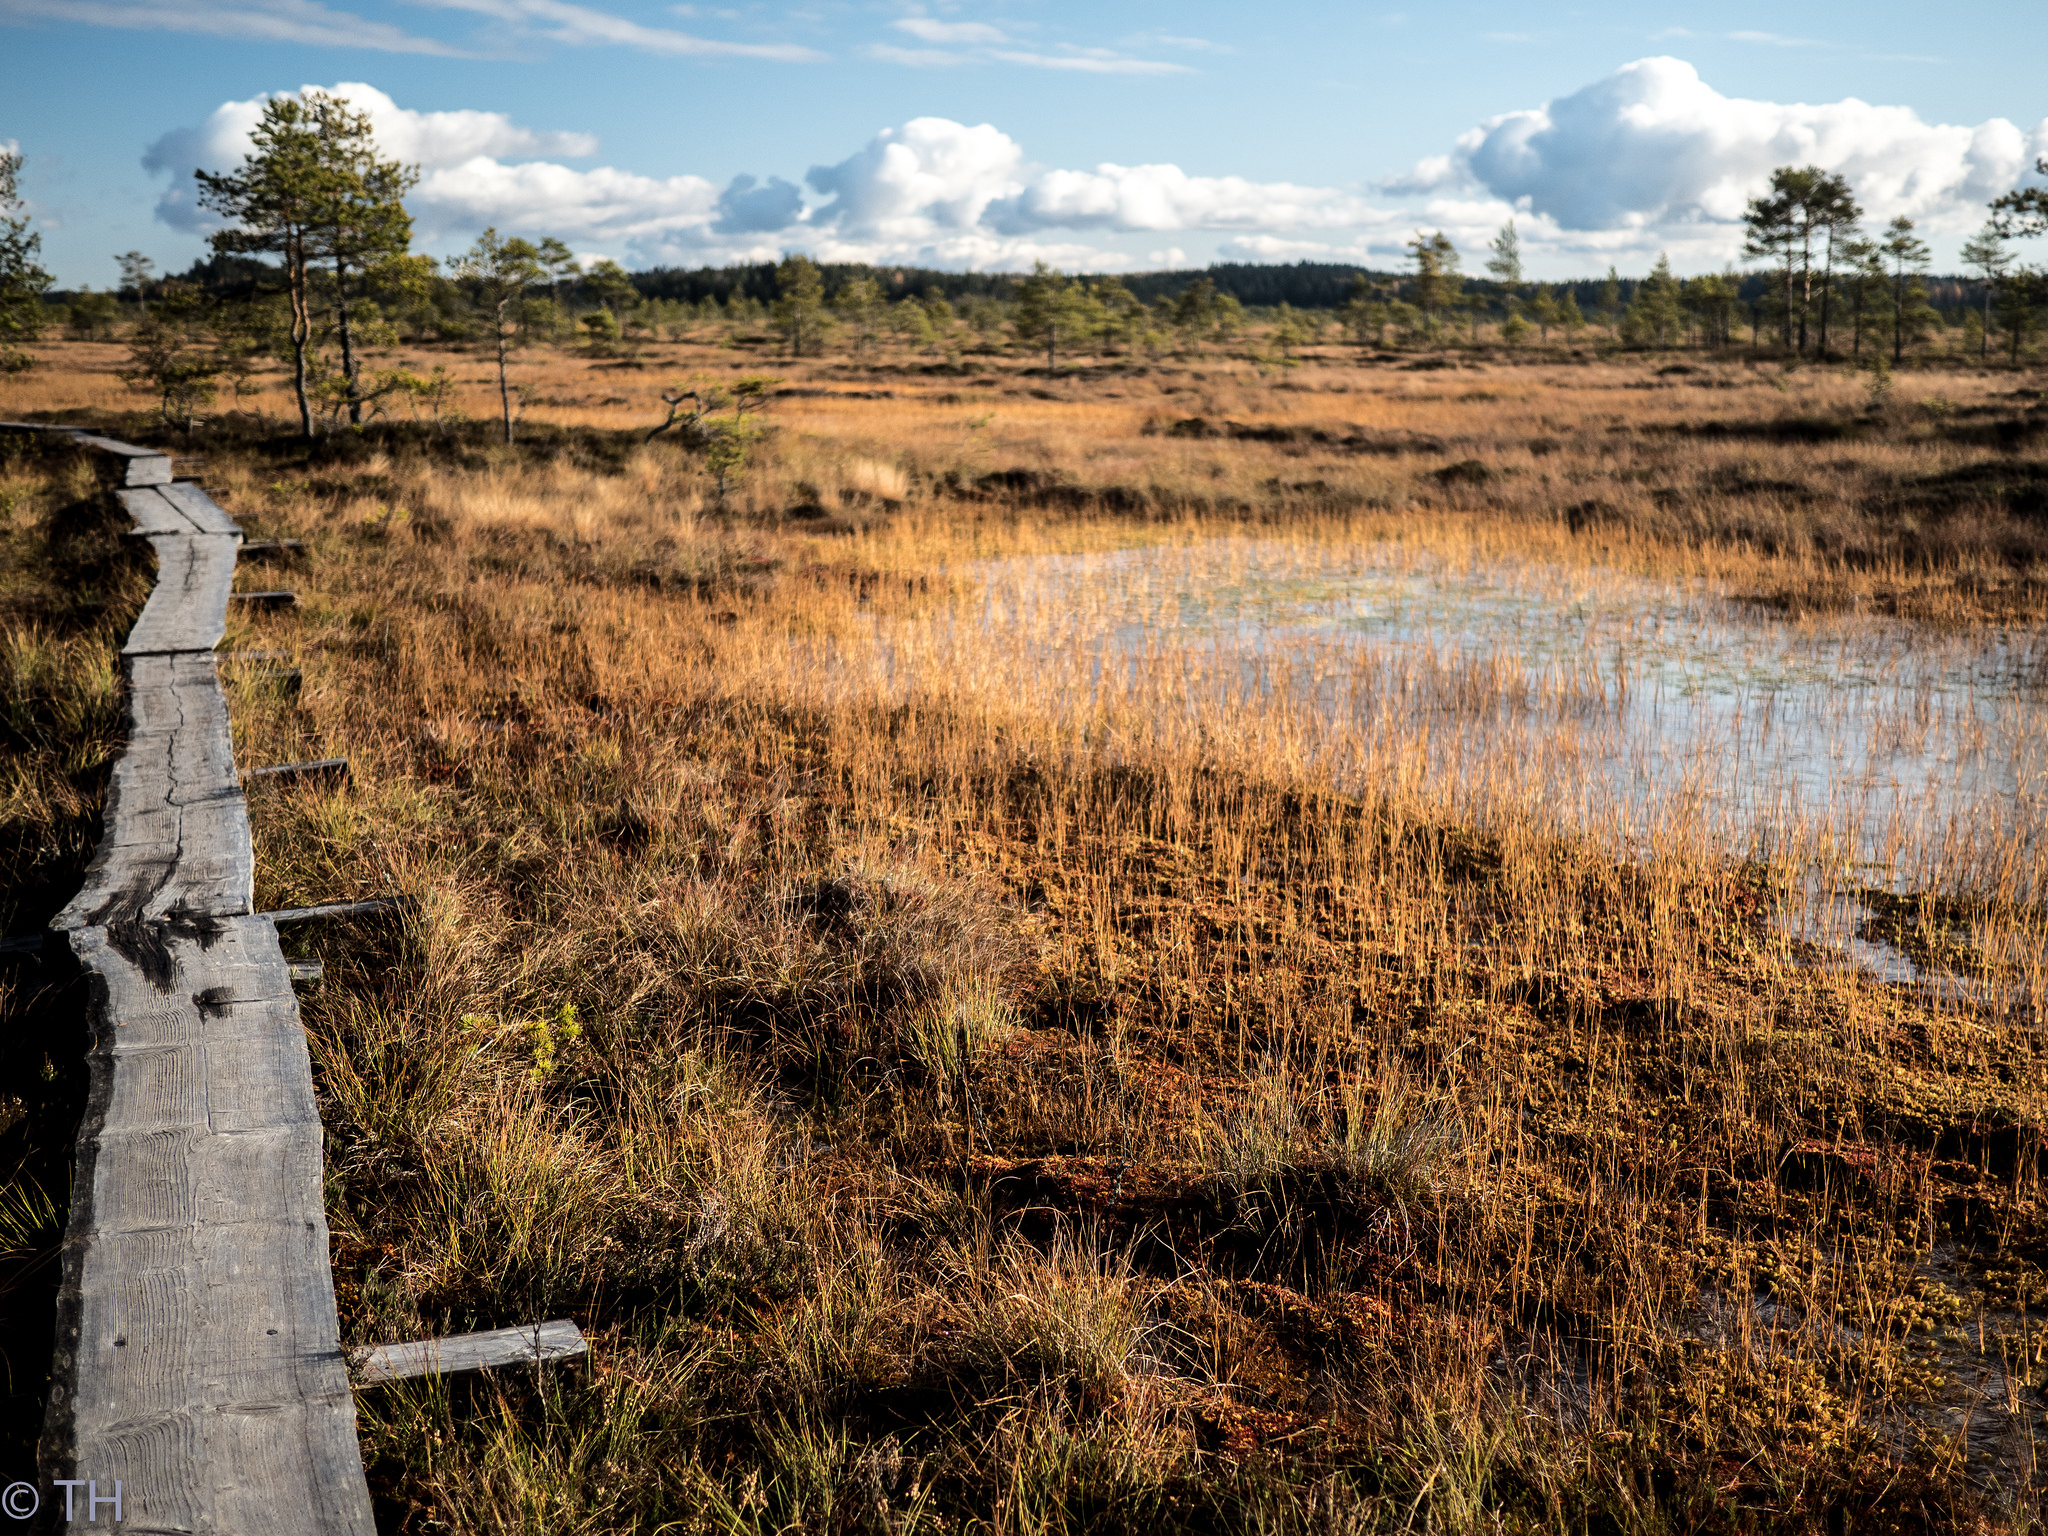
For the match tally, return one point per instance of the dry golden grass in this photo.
(1793, 476)
(954, 1093)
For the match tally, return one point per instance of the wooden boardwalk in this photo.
(198, 1360)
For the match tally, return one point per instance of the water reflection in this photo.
(1894, 736)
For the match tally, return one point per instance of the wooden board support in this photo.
(277, 598)
(268, 548)
(559, 1340)
(198, 1359)
(340, 909)
(335, 767)
(306, 970)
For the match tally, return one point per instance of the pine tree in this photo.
(1504, 266)
(1437, 283)
(1359, 311)
(563, 267)
(1049, 310)
(1837, 213)
(2022, 299)
(1866, 289)
(313, 191)
(500, 272)
(136, 272)
(1908, 254)
(1655, 318)
(1194, 310)
(1711, 301)
(361, 226)
(1610, 301)
(859, 304)
(800, 303)
(2023, 212)
(1986, 251)
(23, 282)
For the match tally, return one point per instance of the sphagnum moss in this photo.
(1292, 1161)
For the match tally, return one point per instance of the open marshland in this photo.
(1192, 944)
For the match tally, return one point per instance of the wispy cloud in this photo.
(930, 29)
(1760, 39)
(273, 21)
(979, 42)
(1092, 61)
(1775, 40)
(558, 21)
(915, 58)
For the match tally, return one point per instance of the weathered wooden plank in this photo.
(175, 836)
(265, 549)
(274, 598)
(306, 969)
(200, 509)
(152, 513)
(187, 609)
(140, 466)
(559, 1340)
(338, 909)
(198, 1358)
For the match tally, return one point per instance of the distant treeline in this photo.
(1309, 285)
(1302, 284)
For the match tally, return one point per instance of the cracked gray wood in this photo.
(175, 837)
(198, 1358)
(152, 513)
(200, 509)
(187, 609)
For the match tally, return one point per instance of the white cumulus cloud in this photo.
(1654, 147)
(438, 142)
(1649, 159)
(1131, 197)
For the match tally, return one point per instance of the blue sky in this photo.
(1098, 136)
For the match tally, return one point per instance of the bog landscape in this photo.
(1046, 910)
